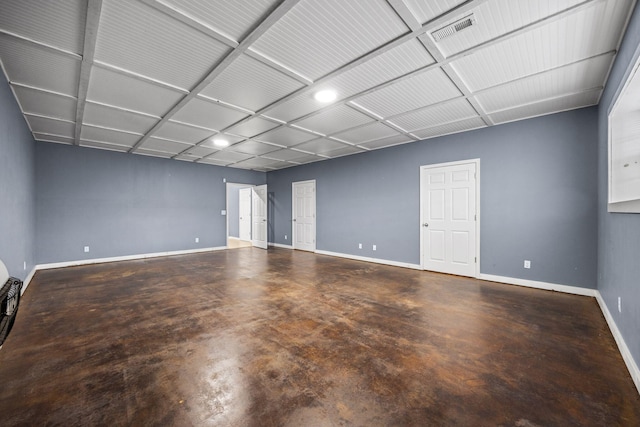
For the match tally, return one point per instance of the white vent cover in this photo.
(454, 27)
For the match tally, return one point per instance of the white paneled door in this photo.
(259, 216)
(304, 215)
(449, 225)
(245, 214)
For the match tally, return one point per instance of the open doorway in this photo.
(246, 215)
(238, 215)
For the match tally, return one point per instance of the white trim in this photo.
(373, 260)
(478, 216)
(622, 345)
(27, 280)
(293, 211)
(280, 245)
(576, 290)
(124, 258)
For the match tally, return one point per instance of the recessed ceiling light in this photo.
(325, 95)
(219, 142)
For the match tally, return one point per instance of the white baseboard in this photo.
(622, 345)
(373, 260)
(280, 245)
(27, 280)
(539, 285)
(124, 258)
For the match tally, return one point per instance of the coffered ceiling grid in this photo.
(162, 77)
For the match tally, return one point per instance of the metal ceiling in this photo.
(162, 77)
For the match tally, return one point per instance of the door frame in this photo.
(293, 212)
(478, 216)
(227, 185)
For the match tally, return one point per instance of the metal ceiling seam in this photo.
(551, 98)
(273, 17)
(191, 22)
(123, 109)
(92, 22)
(46, 46)
(140, 77)
(377, 118)
(278, 66)
(39, 89)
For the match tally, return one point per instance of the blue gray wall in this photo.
(619, 234)
(17, 187)
(120, 204)
(538, 198)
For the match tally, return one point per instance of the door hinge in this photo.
(475, 259)
(475, 217)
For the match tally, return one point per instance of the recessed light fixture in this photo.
(325, 95)
(219, 142)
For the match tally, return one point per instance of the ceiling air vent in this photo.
(454, 27)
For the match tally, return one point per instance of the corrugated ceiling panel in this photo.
(296, 107)
(105, 146)
(427, 10)
(35, 66)
(181, 132)
(250, 84)
(334, 120)
(253, 147)
(57, 23)
(45, 103)
(317, 37)
(449, 128)
(215, 162)
(570, 79)
(102, 115)
(108, 87)
(557, 43)
(320, 146)
(253, 127)
(153, 153)
(229, 156)
(345, 151)
(90, 133)
(164, 145)
(285, 155)
(286, 136)
(547, 107)
(497, 17)
(54, 127)
(418, 91)
(367, 133)
(187, 158)
(394, 63)
(207, 114)
(256, 162)
(201, 151)
(307, 158)
(143, 40)
(457, 109)
(387, 142)
(235, 19)
(53, 138)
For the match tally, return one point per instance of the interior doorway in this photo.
(449, 218)
(238, 215)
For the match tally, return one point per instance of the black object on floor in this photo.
(9, 299)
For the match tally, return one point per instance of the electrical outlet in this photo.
(359, 245)
(285, 237)
(197, 239)
(25, 265)
(224, 180)
(223, 212)
(86, 248)
(374, 247)
(619, 304)
(527, 263)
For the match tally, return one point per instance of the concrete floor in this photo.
(248, 337)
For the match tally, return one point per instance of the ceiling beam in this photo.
(45, 46)
(94, 7)
(273, 17)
